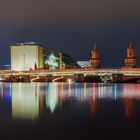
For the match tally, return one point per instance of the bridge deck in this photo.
(125, 71)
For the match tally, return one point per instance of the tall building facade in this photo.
(130, 61)
(95, 60)
(26, 56)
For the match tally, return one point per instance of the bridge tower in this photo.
(95, 60)
(130, 61)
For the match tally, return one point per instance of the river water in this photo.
(69, 111)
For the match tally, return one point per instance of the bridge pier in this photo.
(49, 78)
(16, 78)
(117, 78)
(79, 77)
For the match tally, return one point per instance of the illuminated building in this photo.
(84, 64)
(66, 62)
(130, 61)
(24, 56)
(28, 56)
(5, 67)
(95, 60)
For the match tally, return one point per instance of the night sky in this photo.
(72, 26)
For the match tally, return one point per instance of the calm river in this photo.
(69, 111)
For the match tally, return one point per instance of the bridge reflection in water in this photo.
(30, 100)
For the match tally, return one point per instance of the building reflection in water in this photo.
(52, 96)
(130, 95)
(94, 101)
(29, 100)
(25, 101)
(129, 105)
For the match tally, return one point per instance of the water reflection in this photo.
(30, 100)
(52, 96)
(25, 101)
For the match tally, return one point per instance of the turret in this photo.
(95, 60)
(130, 61)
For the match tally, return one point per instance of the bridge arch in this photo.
(58, 78)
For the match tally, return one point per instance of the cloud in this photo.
(69, 12)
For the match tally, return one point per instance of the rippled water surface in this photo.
(69, 111)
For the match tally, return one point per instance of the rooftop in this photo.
(26, 43)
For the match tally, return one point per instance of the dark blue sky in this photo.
(72, 27)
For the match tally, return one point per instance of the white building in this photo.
(24, 56)
(84, 64)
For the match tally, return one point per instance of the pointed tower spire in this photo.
(130, 45)
(94, 47)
